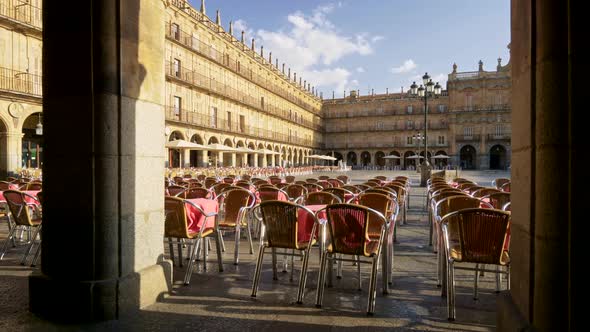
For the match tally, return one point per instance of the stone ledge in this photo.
(143, 288)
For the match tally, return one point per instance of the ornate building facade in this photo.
(469, 124)
(226, 93)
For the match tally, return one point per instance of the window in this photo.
(379, 125)
(410, 109)
(499, 130)
(468, 131)
(229, 120)
(177, 67)
(214, 117)
(242, 124)
(177, 107)
(262, 102)
(410, 124)
(469, 102)
(409, 140)
(442, 108)
(195, 41)
(175, 31)
(441, 140)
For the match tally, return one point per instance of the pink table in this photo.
(195, 218)
(27, 198)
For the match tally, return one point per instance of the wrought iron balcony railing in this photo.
(15, 81)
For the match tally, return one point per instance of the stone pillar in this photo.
(549, 170)
(255, 159)
(205, 158)
(12, 151)
(233, 159)
(186, 158)
(103, 254)
(244, 160)
(219, 159)
(264, 160)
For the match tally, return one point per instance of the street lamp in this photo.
(429, 89)
(417, 138)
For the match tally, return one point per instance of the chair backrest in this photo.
(301, 182)
(499, 182)
(381, 177)
(282, 185)
(402, 178)
(228, 180)
(455, 203)
(335, 183)
(178, 179)
(218, 188)
(343, 178)
(506, 207)
(340, 192)
(363, 186)
(323, 177)
(17, 204)
(175, 224)
(465, 186)
(275, 180)
(484, 192)
(480, 234)
(259, 183)
(210, 182)
(177, 191)
(197, 193)
(270, 193)
(352, 188)
(378, 202)
(311, 180)
(290, 179)
(5, 185)
(442, 195)
(324, 183)
(348, 228)
(447, 190)
(498, 200)
(313, 187)
(400, 191)
(280, 220)
(381, 190)
(295, 191)
(230, 187)
(235, 203)
(321, 198)
(243, 184)
(506, 187)
(201, 177)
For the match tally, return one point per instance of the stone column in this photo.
(549, 170)
(233, 159)
(102, 254)
(12, 157)
(186, 158)
(205, 158)
(255, 159)
(244, 160)
(219, 159)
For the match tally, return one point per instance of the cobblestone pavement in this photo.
(222, 302)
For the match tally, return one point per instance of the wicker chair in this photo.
(381, 178)
(436, 197)
(5, 185)
(499, 182)
(474, 236)
(351, 188)
(275, 180)
(301, 182)
(176, 226)
(402, 199)
(323, 177)
(24, 215)
(234, 207)
(388, 208)
(348, 229)
(340, 192)
(296, 192)
(321, 198)
(484, 192)
(228, 180)
(498, 200)
(176, 191)
(343, 178)
(311, 180)
(313, 187)
(363, 186)
(197, 192)
(210, 182)
(281, 230)
(289, 179)
(506, 187)
(324, 184)
(335, 183)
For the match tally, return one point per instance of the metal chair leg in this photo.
(358, 269)
(205, 246)
(373, 285)
(179, 244)
(451, 290)
(237, 245)
(218, 243)
(321, 279)
(257, 271)
(250, 238)
(475, 282)
(385, 266)
(189, 268)
(11, 234)
(37, 253)
(171, 247)
(498, 279)
(303, 277)
(32, 239)
(274, 264)
(292, 264)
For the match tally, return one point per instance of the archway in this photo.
(240, 160)
(409, 163)
(498, 158)
(174, 154)
(429, 157)
(228, 156)
(395, 162)
(250, 160)
(365, 158)
(212, 156)
(441, 162)
(338, 156)
(261, 156)
(276, 157)
(467, 157)
(196, 156)
(351, 158)
(269, 157)
(32, 142)
(379, 161)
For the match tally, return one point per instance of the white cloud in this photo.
(311, 44)
(406, 67)
(360, 70)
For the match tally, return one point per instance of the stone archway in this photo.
(379, 161)
(365, 158)
(196, 156)
(174, 155)
(467, 156)
(228, 157)
(32, 141)
(395, 162)
(409, 162)
(351, 159)
(441, 162)
(498, 157)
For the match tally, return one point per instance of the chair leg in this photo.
(189, 268)
(222, 241)
(257, 271)
(321, 279)
(359, 276)
(385, 266)
(36, 257)
(483, 267)
(339, 268)
(391, 262)
(218, 243)
(250, 238)
(32, 239)
(237, 245)
(475, 282)
(395, 233)
(498, 279)
(373, 285)
(274, 264)
(330, 272)
(303, 277)
(205, 247)
(451, 290)
(171, 247)
(292, 264)
(508, 274)
(179, 244)
(430, 228)
(11, 235)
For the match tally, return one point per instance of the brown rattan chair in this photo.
(498, 200)
(313, 187)
(289, 179)
(197, 192)
(5, 185)
(275, 180)
(348, 228)
(363, 187)
(435, 198)
(499, 182)
(210, 182)
(484, 192)
(228, 180)
(176, 191)
(234, 206)
(506, 187)
(321, 198)
(23, 215)
(296, 192)
(323, 177)
(402, 199)
(311, 180)
(351, 188)
(340, 192)
(282, 229)
(343, 178)
(176, 226)
(381, 178)
(324, 184)
(335, 183)
(301, 182)
(474, 236)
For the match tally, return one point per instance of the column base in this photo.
(509, 317)
(73, 301)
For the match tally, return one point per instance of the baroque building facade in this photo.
(226, 93)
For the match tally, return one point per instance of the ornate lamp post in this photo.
(429, 89)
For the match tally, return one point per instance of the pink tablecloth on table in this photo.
(195, 218)
(305, 221)
(27, 198)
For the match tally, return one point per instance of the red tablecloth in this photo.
(195, 218)
(305, 221)
(27, 198)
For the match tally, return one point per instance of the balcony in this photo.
(20, 83)
(205, 50)
(22, 16)
(484, 108)
(208, 122)
(468, 138)
(501, 137)
(210, 84)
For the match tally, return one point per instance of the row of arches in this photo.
(498, 158)
(280, 156)
(21, 144)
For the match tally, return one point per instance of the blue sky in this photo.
(372, 44)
